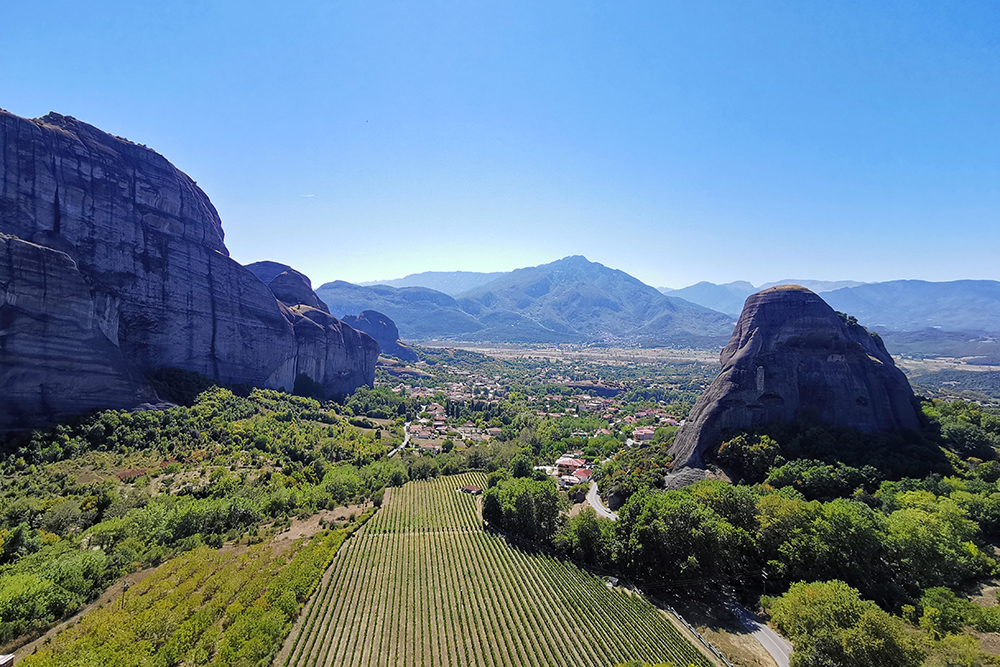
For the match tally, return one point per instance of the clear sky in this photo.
(678, 141)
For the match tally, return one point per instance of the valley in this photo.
(209, 463)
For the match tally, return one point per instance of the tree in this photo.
(521, 467)
(829, 624)
(588, 537)
(751, 455)
(524, 507)
(670, 535)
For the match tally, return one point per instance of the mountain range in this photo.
(729, 297)
(572, 300)
(451, 283)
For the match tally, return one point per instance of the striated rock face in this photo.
(289, 286)
(147, 246)
(48, 320)
(791, 355)
(384, 331)
(331, 352)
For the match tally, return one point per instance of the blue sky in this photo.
(678, 141)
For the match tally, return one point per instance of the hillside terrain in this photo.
(419, 313)
(729, 297)
(462, 595)
(571, 300)
(900, 519)
(451, 283)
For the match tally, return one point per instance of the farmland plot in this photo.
(423, 584)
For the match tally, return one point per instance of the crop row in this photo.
(423, 584)
(430, 506)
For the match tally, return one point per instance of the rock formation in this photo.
(114, 222)
(384, 331)
(48, 321)
(288, 285)
(792, 356)
(331, 352)
(338, 356)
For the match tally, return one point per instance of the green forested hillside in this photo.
(83, 504)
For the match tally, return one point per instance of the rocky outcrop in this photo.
(331, 352)
(148, 247)
(48, 320)
(336, 355)
(384, 331)
(289, 286)
(792, 356)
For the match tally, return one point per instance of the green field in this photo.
(424, 584)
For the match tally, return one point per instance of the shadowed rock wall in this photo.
(791, 355)
(48, 321)
(147, 245)
(384, 331)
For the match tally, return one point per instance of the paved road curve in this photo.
(595, 502)
(776, 645)
(406, 440)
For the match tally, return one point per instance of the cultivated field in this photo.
(423, 584)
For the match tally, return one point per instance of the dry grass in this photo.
(724, 632)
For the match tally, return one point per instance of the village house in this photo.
(567, 466)
(643, 433)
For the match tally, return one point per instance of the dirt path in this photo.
(310, 526)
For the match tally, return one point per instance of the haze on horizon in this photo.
(679, 142)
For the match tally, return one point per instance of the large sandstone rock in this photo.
(331, 352)
(790, 356)
(289, 286)
(148, 245)
(384, 331)
(48, 321)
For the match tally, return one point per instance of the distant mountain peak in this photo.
(448, 282)
(568, 300)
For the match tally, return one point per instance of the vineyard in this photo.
(424, 584)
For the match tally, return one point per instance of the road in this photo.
(595, 502)
(774, 643)
(406, 440)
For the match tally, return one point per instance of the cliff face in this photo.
(384, 331)
(289, 286)
(329, 351)
(48, 321)
(791, 355)
(147, 246)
